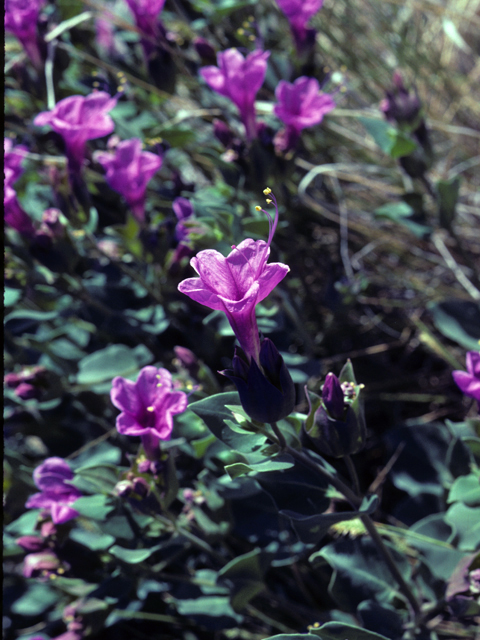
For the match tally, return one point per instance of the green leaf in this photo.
(74, 586)
(30, 314)
(402, 213)
(360, 572)
(93, 540)
(448, 192)
(114, 360)
(381, 131)
(441, 558)
(311, 529)
(24, 525)
(458, 320)
(133, 556)
(11, 296)
(101, 454)
(99, 479)
(213, 411)
(211, 606)
(466, 489)
(341, 630)
(246, 575)
(35, 601)
(466, 522)
(402, 144)
(96, 507)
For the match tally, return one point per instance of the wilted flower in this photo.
(129, 170)
(52, 477)
(239, 79)
(237, 283)
(21, 17)
(469, 381)
(148, 406)
(266, 391)
(337, 427)
(78, 119)
(298, 13)
(300, 105)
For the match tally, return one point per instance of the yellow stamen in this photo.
(267, 191)
(269, 201)
(150, 408)
(257, 208)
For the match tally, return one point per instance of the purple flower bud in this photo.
(26, 391)
(222, 132)
(141, 487)
(267, 394)
(123, 488)
(400, 105)
(332, 397)
(205, 51)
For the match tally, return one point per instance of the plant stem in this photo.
(281, 438)
(353, 474)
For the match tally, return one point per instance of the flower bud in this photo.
(267, 392)
(336, 426)
(205, 51)
(42, 562)
(31, 543)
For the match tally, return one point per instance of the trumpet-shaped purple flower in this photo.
(52, 477)
(239, 79)
(300, 105)
(78, 119)
(146, 13)
(237, 283)
(148, 406)
(21, 17)
(298, 13)
(129, 170)
(469, 381)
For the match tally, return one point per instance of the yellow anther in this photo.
(269, 201)
(160, 384)
(241, 32)
(150, 409)
(252, 38)
(257, 208)
(267, 191)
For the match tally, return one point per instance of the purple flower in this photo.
(237, 283)
(13, 157)
(298, 13)
(469, 381)
(21, 17)
(239, 79)
(300, 105)
(78, 119)
(148, 406)
(52, 477)
(14, 215)
(146, 13)
(183, 210)
(129, 170)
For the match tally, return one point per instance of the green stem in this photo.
(281, 438)
(353, 474)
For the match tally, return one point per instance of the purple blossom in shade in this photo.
(14, 215)
(78, 119)
(469, 381)
(148, 406)
(13, 157)
(129, 170)
(21, 17)
(237, 283)
(52, 477)
(239, 79)
(298, 13)
(301, 104)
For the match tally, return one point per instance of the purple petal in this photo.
(467, 384)
(473, 363)
(62, 513)
(215, 274)
(125, 397)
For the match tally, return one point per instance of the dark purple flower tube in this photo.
(267, 392)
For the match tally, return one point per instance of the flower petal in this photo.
(124, 396)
